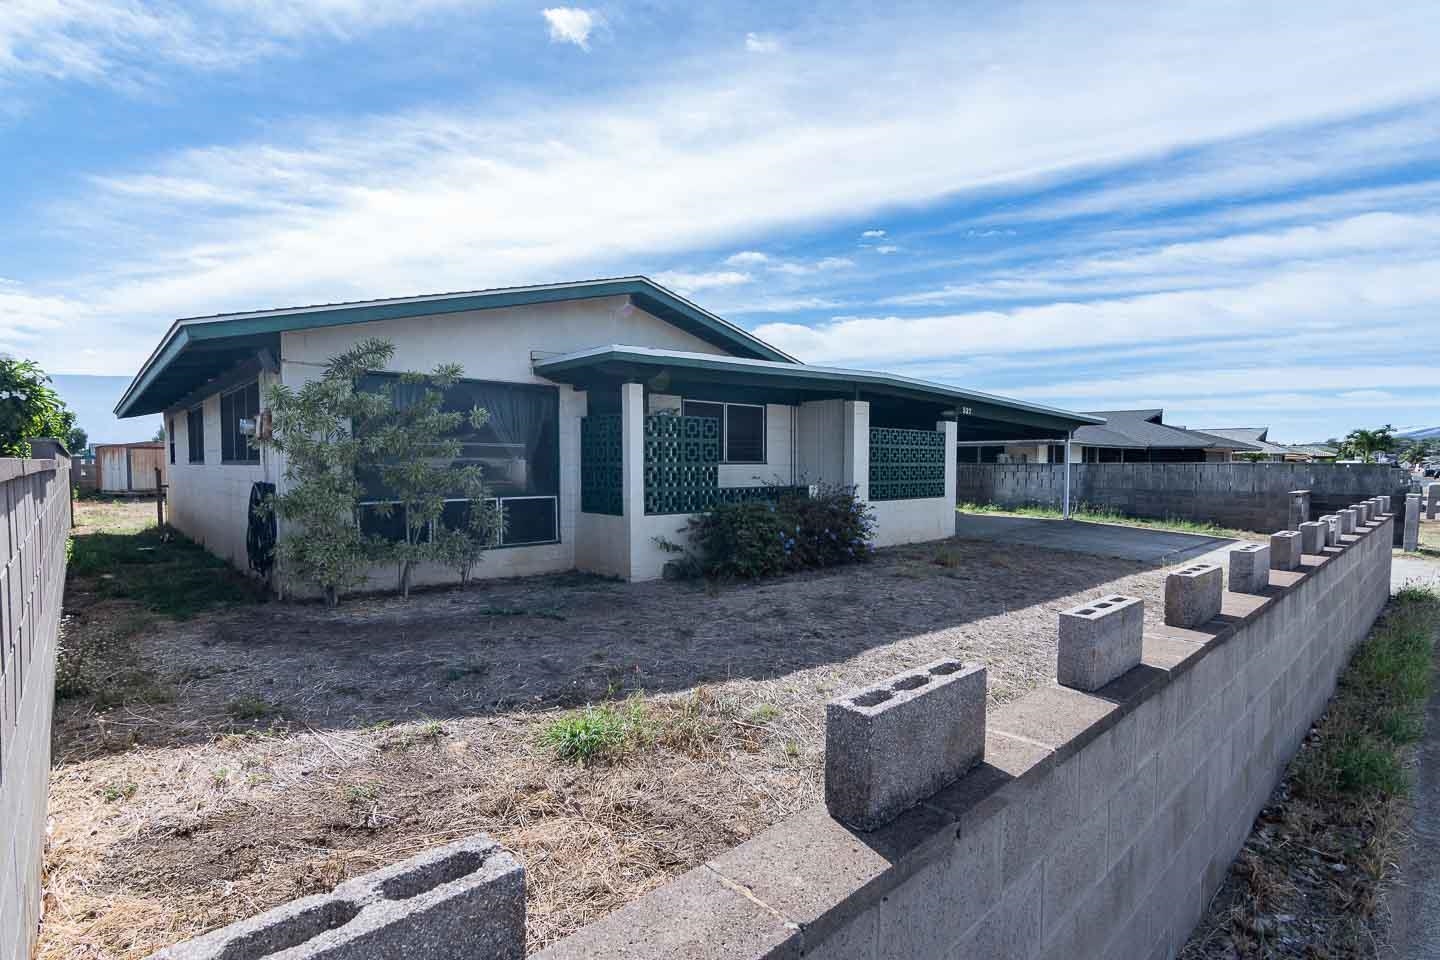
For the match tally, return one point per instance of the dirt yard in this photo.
(220, 755)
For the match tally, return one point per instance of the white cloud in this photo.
(886, 248)
(686, 160)
(697, 282)
(571, 25)
(761, 43)
(800, 268)
(747, 258)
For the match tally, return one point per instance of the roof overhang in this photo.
(197, 349)
(666, 370)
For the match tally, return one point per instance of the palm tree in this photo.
(1366, 443)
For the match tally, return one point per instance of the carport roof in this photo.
(620, 363)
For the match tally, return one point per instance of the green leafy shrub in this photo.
(596, 733)
(761, 539)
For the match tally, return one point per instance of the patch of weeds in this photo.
(160, 570)
(432, 730)
(690, 725)
(361, 794)
(113, 792)
(220, 776)
(379, 725)
(948, 557)
(1089, 514)
(792, 749)
(249, 707)
(604, 732)
(764, 713)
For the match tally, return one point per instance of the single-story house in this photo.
(1259, 439)
(1126, 436)
(618, 408)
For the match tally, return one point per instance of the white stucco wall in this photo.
(820, 454)
(913, 521)
(209, 502)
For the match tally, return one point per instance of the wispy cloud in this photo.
(700, 282)
(571, 25)
(761, 43)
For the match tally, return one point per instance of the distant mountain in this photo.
(93, 399)
(1420, 433)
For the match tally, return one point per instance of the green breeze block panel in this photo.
(601, 459)
(906, 464)
(682, 467)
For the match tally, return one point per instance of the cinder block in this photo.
(1192, 594)
(1362, 512)
(1285, 550)
(1410, 537)
(1382, 506)
(891, 745)
(1312, 537)
(1332, 529)
(1099, 641)
(1432, 500)
(457, 902)
(1349, 520)
(1250, 568)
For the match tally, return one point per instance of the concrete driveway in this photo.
(1099, 539)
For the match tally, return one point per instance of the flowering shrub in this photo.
(761, 539)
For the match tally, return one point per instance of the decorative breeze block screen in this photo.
(601, 459)
(906, 464)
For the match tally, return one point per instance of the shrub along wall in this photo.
(1245, 496)
(1098, 825)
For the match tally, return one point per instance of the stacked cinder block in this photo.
(1312, 537)
(1432, 501)
(1250, 568)
(1349, 521)
(462, 901)
(1410, 536)
(1099, 641)
(1332, 529)
(1285, 550)
(1193, 595)
(891, 745)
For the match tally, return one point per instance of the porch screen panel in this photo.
(602, 464)
(906, 464)
(517, 450)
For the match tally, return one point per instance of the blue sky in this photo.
(1228, 210)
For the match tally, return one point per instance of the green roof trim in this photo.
(160, 380)
(572, 366)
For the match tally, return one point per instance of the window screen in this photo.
(235, 406)
(170, 436)
(195, 434)
(742, 428)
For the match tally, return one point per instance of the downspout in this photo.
(1069, 435)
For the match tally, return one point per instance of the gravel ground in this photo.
(285, 747)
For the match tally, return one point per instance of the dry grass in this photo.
(293, 746)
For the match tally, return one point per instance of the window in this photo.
(238, 410)
(170, 436)
(742, 428)
(517, 449)
(195, 434)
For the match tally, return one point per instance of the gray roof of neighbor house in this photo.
(197, 349)
(982, 413)
(1254, 436)
(1143, 430)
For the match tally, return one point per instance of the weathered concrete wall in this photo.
(1098, 824)
(1246, 496)
(35, 499)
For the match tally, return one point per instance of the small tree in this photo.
(1366, 443)
(313, 429)
(77, 440)
(29, 407)
(415, 449)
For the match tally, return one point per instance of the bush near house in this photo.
(765, 538)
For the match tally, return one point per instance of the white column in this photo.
(948, 427)
(857, 447)
(632, 472)
(1068, 437)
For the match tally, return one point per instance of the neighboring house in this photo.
(1258, 438)
(1310, 452)
(1126, 436)
(617, 409)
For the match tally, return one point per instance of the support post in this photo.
(159, 500)
(1069, 436)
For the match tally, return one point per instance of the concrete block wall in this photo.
(35, 499)
(1247, 496)
(1097, 825)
